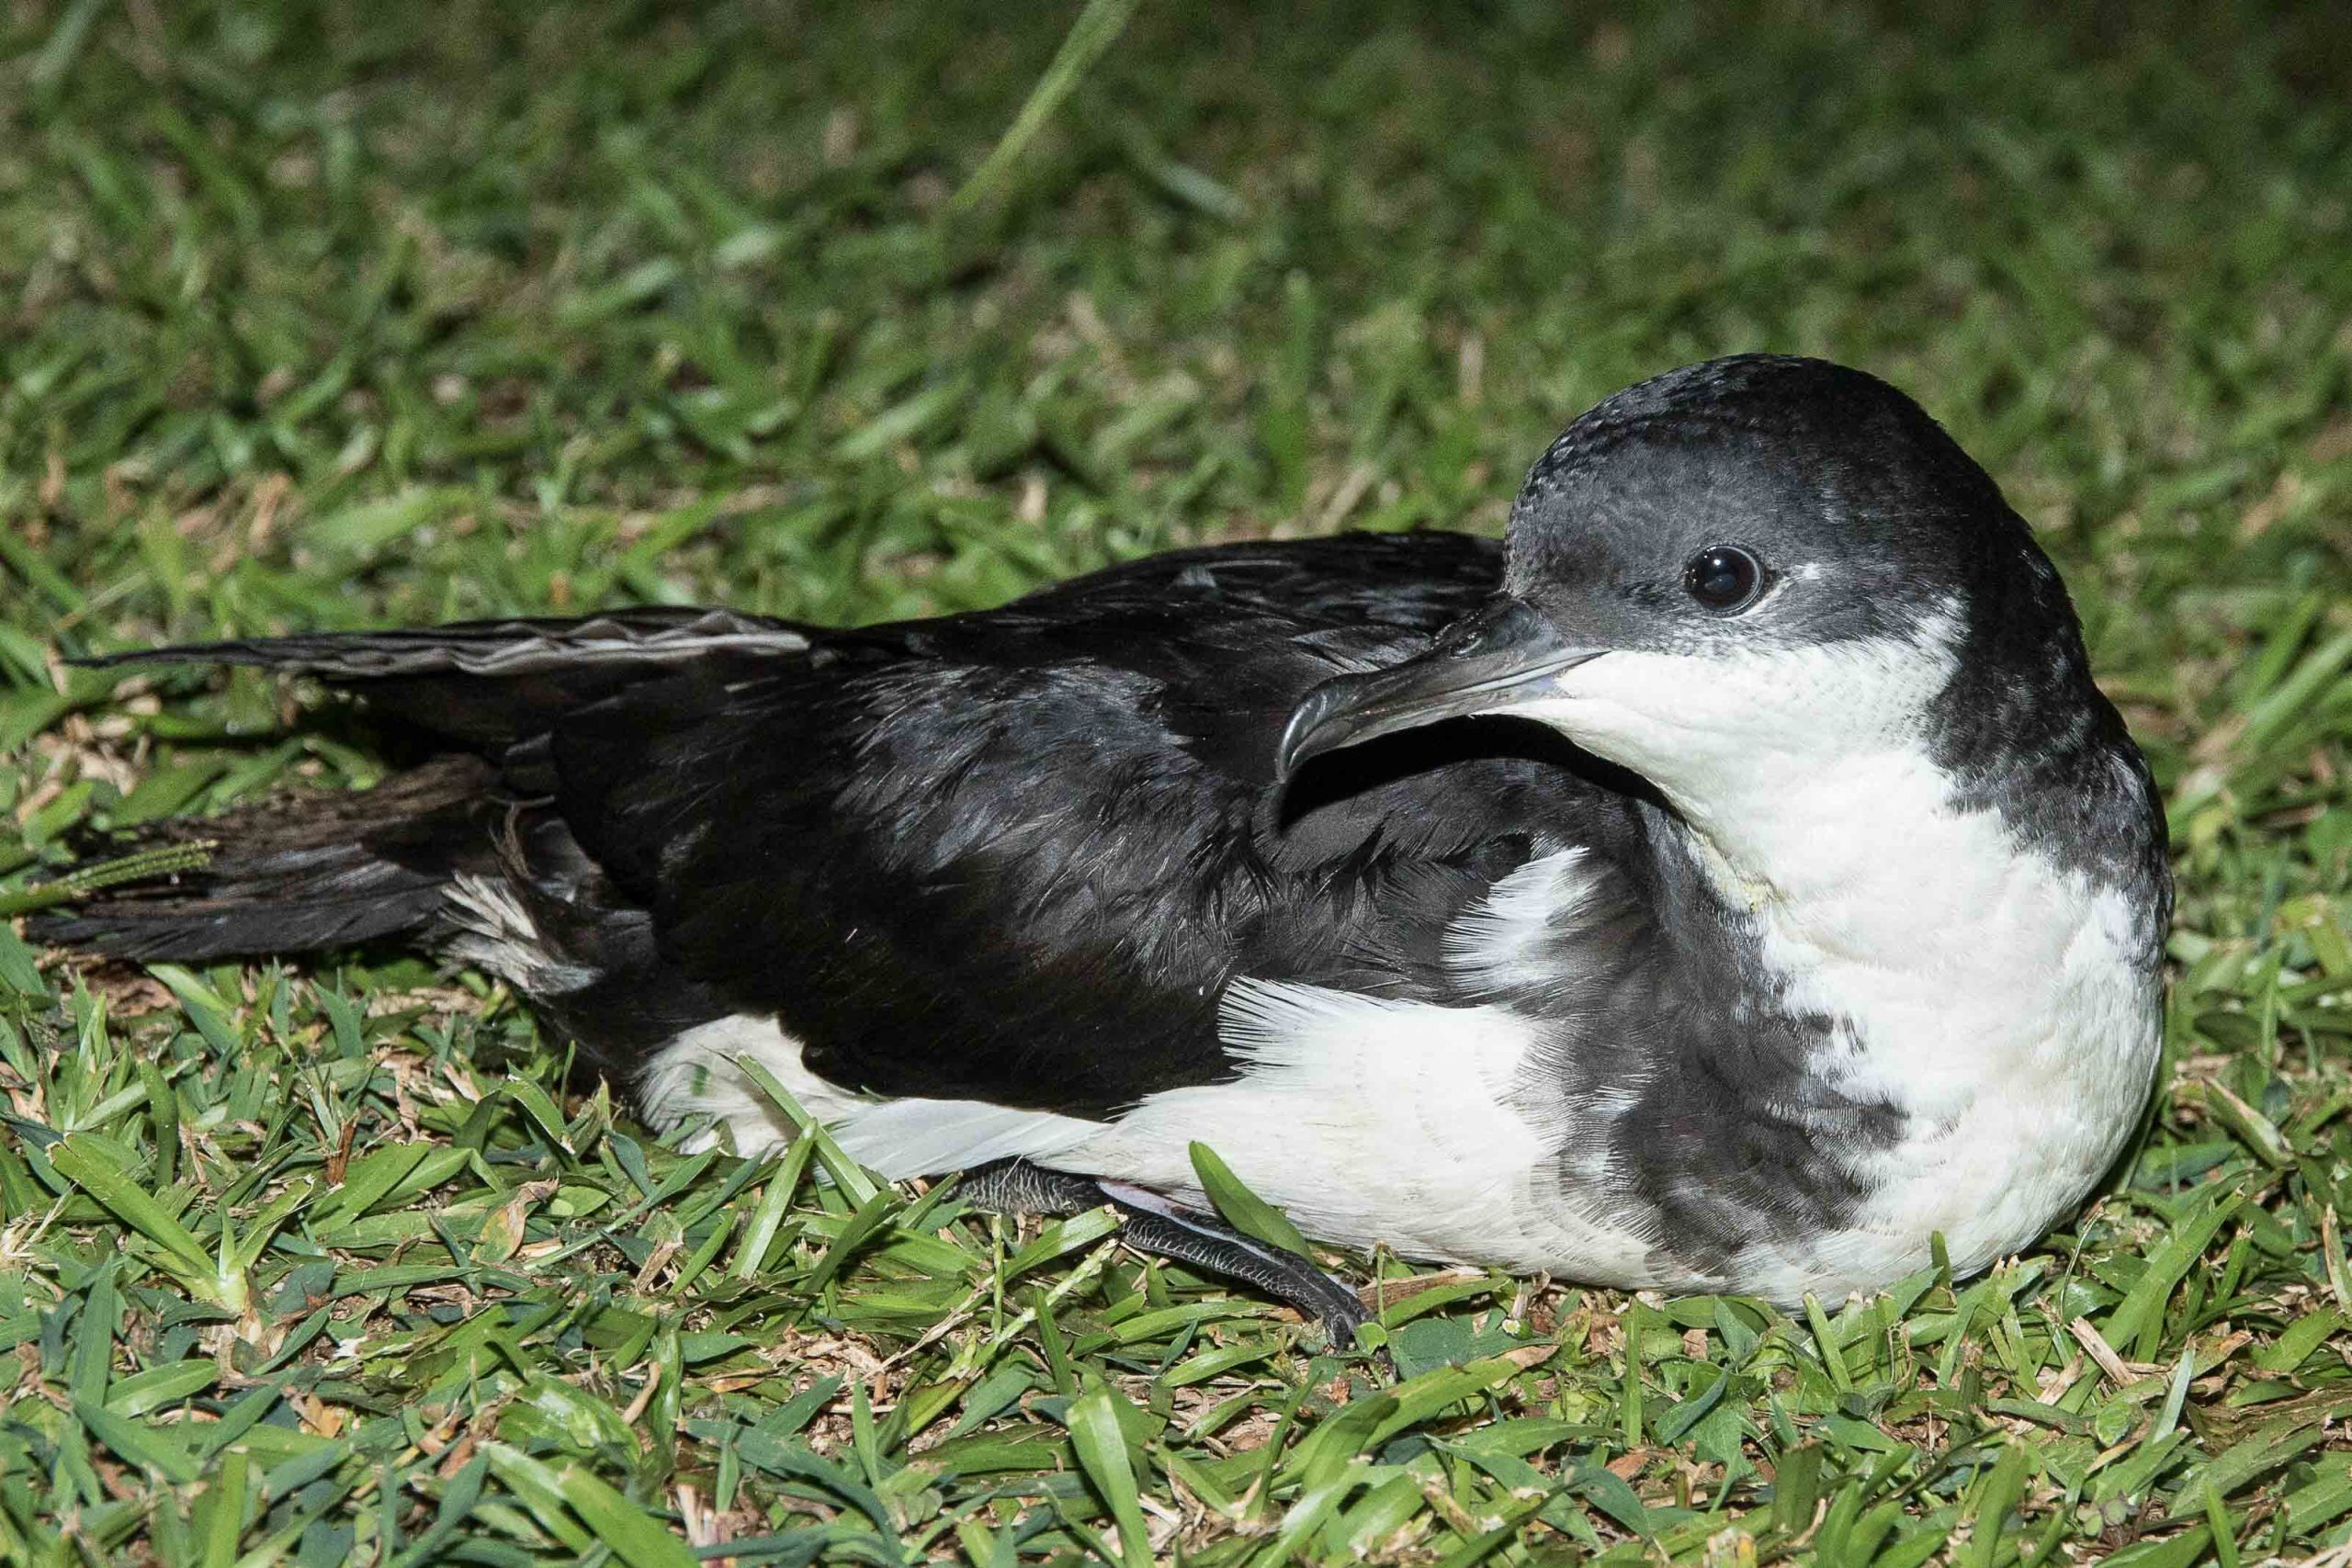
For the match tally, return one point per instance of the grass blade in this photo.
(1101, 1445)
(96, 1167)
(1089, 37)
(1243, 1209)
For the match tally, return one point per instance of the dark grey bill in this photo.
(1478, 664)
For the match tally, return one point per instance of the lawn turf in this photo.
(328, 316)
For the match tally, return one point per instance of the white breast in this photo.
(2008, 1005)
(2003, 1002)
(2000, 999)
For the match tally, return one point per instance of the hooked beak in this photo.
(1491, 660)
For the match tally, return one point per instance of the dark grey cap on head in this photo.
(1831, 478)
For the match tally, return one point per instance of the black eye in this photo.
(1722, 577)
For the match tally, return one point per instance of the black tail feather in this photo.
(465, 855)
(296, 874)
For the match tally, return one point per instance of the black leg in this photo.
(1169, 1230)
(1016, 1187)
(1166, 1229)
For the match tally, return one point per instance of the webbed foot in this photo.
(1165, 1228)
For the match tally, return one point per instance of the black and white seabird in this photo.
(1729, 883)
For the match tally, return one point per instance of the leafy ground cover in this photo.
(333, 315)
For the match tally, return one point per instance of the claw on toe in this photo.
(1161, 1227)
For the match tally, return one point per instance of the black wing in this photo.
(1012, 855)
(1016, 857)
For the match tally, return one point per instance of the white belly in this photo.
(2009, 1007)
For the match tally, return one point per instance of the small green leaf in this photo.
(1101, 1445)
(206, 1007)
(146, 1447)
(871, 1217)
(18, 972)
(1098, 27)
(2291, 1348)
(225, 1503)
(2136, 1325)
(1825, 1340)
(97, 1167)
(541, 1108)
(847, 1173)
(634, 1535)
(1999, 1495)
(1243, 1209)
(159, 1386)
(1797, 1488)
(2252, 1128)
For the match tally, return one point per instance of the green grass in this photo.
(331, 316)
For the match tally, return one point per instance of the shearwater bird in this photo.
(1730, 882)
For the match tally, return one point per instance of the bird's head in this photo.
(1739, 572)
